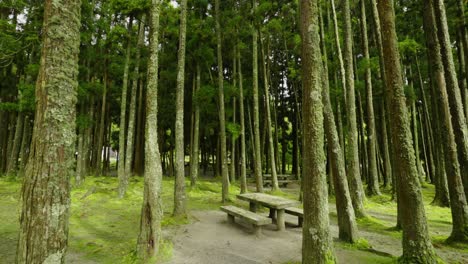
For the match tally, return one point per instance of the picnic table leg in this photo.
(253, 207)
(230, 218)
(272, 214)
(280, 220)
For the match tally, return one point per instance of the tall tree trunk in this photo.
(373, 185)
(271, 147)
(458, 204)
(317, 246)
(338, 50)
(222, 118)
(417, 247)
(232, 173)
(180, 200)
(102, 127)
(25, 145)
(354, 176)
(346, 218)
(243, 175)
(152, 211)
(256, 115)
(123, 112)
(196, 133)
(43, 232)
(123, 181)
(15, 150)
(456, 107)
(436, 74)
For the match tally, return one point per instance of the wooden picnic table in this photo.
(274, 203)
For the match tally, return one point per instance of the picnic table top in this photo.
(268, 200)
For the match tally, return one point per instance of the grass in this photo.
(102, 227)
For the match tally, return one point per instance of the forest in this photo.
(326, 131)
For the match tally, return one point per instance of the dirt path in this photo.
(209, 239)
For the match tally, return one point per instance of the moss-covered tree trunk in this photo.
(131, 112)
(233, 164)
(243, 175)
(179, 187)
(15, 150)
(417, 247)
(458, 204)
(151, 212)
(123, 180)
(373, 185)
(317, 245)
(346, 219)
(43, 234)
(436, 74)
(354, 175)
(460, 127)
(194, 159)
(256, 113)
(101, 126)
(222, 117)
(25, 144)
(271, 144)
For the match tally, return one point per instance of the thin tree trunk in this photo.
(25, 145)
(456, 107)
(222, 118)
(15, 150)
(123, 181)
(256, 118)
(354, 176)
(232, 173)
(271, 147)
(373, 185)
(458, 204)
(242, 126)
(123, 110)
(196, 133)
(346, 218)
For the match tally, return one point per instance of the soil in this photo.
(210, 239)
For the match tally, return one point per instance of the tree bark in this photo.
(123, 112)
(271, 146)
(417, 247)
(131, 112)
(346, 218)
(317, 245)
(354, 176)
(458, 204)
(243, 175)
(43, 232)
(256, 115)
(152, 211)
(456, 107)
(222, 118)
(373, 185)
(194, 159)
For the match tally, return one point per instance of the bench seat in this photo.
(256, 220)
(299, 212)
(283, 183)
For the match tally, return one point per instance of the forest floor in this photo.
(103, 228)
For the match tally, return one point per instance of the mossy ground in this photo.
(104, 228)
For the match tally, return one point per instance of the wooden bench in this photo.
(256, 220)
(297, 212)
(283, 183)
